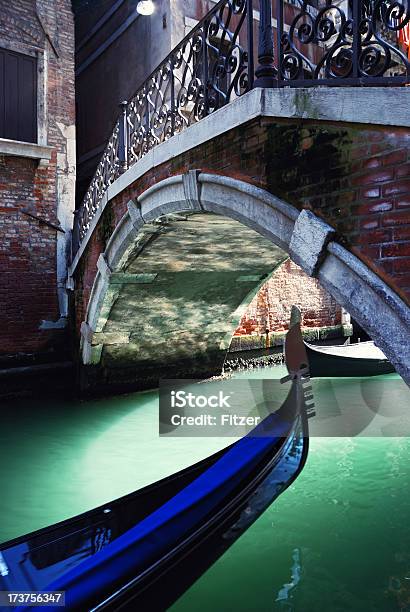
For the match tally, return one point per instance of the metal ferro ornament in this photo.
(300, 44)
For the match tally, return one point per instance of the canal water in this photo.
(337, 539)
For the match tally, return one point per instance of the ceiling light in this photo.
(145, 7)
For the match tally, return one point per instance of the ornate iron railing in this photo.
(350, 42)
(300, 43)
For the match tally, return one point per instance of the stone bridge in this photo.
(183, 239)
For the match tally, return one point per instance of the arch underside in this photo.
(176, 297)
(186, 260)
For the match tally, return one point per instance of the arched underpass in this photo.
(180, 290)
(173, 280)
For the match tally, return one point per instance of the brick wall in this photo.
(28, 291)
(358, 179)
(28, 248)
(270, 308)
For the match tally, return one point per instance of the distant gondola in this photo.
(362, 359)
(142, 551)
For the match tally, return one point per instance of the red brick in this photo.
(379, 176)
(397, 187)
(396, 218)
(375, 237)
(402, 202)
(373, 162)
(401, 265)
(403, 171)
(371, 193)
(374, 207)
(372, 135)
(394, 158)
(369, 223)
(346, 197)
(288, 285)
(372, 252)
(401, 233)
(359, 152)
(28, 289)
(398, 249)
(377, 148)
(404, 280)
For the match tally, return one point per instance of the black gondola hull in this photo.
(59, 548)
(323, 364)
(203, 548)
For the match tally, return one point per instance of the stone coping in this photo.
(16, 148)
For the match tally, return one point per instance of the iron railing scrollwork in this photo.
(299, 43)
(107, 171)
(348, 42)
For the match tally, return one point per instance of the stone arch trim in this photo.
(308, 240)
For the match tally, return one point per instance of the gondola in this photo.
(142, 551)
(361, 359)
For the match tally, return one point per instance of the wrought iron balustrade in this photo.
(346, 42)
(241, 44)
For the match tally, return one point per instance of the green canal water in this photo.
(337, 539)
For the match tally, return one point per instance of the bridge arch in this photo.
(282, 230)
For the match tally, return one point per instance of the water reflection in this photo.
(285, 592)
(347, 515)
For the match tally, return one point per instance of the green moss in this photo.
(303, 103)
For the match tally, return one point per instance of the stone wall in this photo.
(270, 308)
(37, 189)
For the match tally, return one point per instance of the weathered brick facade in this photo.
(270, 308)
(36, 196)
(358, 179)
